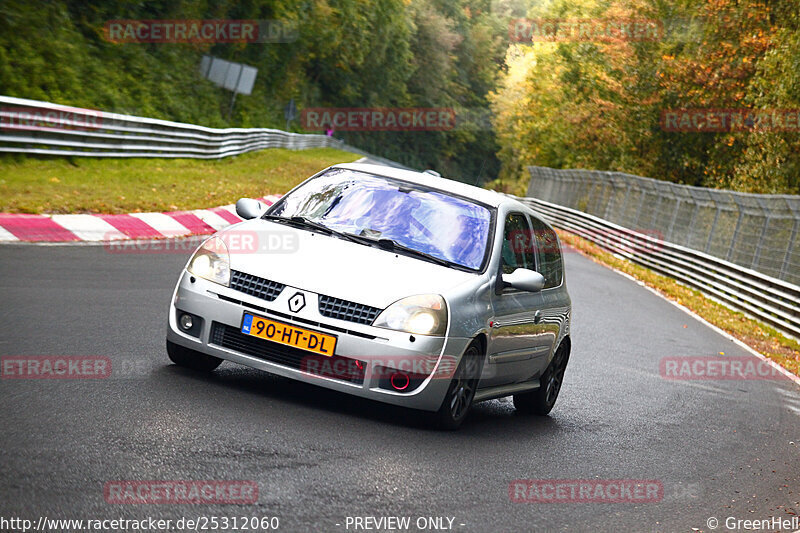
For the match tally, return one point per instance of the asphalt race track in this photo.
(720, 448)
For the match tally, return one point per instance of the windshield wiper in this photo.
(277, 218)
(384, 244)
(392, 246)
(302, 222)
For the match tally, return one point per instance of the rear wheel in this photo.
(458, 400)
(191, 358)
(542, 400)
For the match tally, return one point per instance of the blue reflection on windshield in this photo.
(432, 222)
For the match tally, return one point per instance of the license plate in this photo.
(305, 339)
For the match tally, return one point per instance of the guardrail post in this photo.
(690, 228)
(789, 249)
(760, 243)
(735, 236)
(713, 227)
(625, 200)
(674, 218)
(639, 209)
(611, 196)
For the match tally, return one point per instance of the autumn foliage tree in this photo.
(599, 104)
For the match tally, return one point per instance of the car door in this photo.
(516, 345)
(553, 305)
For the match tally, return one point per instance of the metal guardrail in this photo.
(755, 231)
(773, 301)
(35, 127)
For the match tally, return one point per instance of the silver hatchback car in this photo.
(398, 286)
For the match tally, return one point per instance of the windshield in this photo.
(428, 221)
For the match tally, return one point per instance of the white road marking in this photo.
(6, 235)
(211, 218)
(88, 227)
(163, 224)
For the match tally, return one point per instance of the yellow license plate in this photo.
(305, 339)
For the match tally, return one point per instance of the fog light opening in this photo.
(400, 381)
(186, 321)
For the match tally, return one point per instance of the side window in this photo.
(517, 245)
(548, 253)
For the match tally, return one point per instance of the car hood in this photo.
(335, 267)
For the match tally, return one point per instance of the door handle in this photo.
(537, 316)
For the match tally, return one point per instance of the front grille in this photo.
(254, 286)
(233, 339)
(345, 310)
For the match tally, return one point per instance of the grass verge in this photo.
(99, 185)
(762, 338)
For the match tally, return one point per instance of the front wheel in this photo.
(191, 358)
(458, 400)
(542, 400)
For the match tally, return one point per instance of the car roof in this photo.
(491, 198)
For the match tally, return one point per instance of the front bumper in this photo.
(222, 308)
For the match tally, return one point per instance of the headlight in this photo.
(425, 314)
(212, 262)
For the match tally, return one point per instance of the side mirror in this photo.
(524, 280)
(248, 208)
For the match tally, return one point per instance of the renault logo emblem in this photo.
(297, 302)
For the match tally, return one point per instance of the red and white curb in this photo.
(102, 228)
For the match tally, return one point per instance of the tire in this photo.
(191, 358)
(541, 401)
(461, 392)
